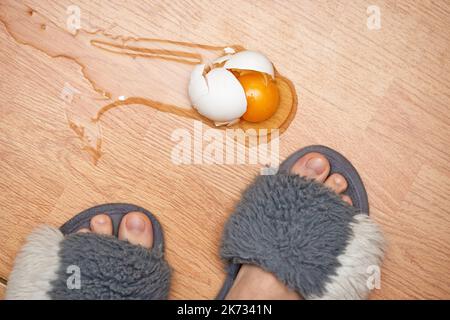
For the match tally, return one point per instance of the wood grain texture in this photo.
(381, 97)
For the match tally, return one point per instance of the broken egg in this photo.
(236, 85)
(218, 95)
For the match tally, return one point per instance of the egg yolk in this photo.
(262, 96)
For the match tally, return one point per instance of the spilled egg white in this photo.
(218, 95)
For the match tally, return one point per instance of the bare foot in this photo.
(135, 228)
(253, 282)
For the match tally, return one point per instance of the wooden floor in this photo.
(381, 97)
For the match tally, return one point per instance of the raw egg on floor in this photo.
(262, 96)
(235, 86)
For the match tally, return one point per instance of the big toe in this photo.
(136, 228)
(313, 166)
(101, 224)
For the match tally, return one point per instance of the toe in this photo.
(347, 199)
(136, 228)
(336, 182)
(102, 224)
(313, 166)
(83, 230)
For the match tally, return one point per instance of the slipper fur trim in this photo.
(303, 233)
(359, 270)
(36, 266)
(110, 268)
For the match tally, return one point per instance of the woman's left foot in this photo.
(135, 228)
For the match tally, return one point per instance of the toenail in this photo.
(135, 224)
(316, 164)
(100, 220)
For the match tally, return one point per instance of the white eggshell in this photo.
(197, 84)
(225, 99)
(221, 59)
(250, 60)
(229, 50)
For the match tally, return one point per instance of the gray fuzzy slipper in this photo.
(304, 234)
(62, 264)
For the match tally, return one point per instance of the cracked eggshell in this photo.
(250, 60)
(197, 84)
(218, 95)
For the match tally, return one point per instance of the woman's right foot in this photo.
(135, 228)
(252, 282)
